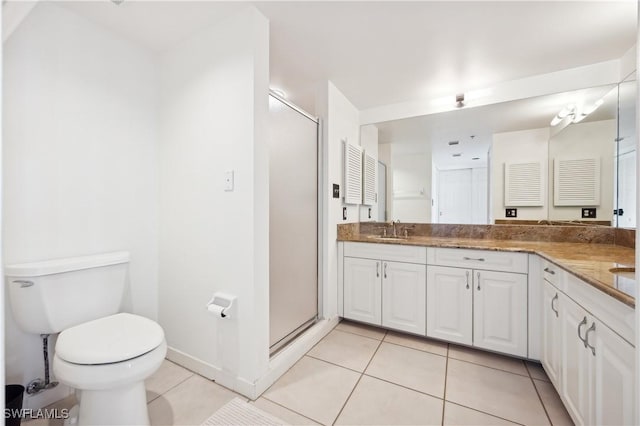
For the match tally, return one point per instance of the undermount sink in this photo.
(388, 237)
(624, 272)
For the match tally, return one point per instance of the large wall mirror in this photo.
(537, 160)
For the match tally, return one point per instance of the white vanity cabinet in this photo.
(500, 312)
(385, 285)
(551, 327)
(450, 304)
(479, 298)
(591, 365)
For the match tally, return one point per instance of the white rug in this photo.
(239, 412)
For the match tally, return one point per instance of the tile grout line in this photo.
(287, 408)
(538, 393)
(176, 385)
(415, 349)
(493, 368)
(359, 378)
(444, 395)
(484, 412)
(357, 334)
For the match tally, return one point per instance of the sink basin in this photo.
(624, 272)
(387, 238)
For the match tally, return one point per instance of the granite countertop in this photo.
(589, 262)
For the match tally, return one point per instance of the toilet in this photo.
(103, 353)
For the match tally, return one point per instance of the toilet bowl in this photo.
(106, 361)
(103, 354)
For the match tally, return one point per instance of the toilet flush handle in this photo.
(23, 283)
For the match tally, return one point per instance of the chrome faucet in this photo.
(395, 231)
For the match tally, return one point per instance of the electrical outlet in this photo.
(511, 212)
(336, 190)
(588, 212)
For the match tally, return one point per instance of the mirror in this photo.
(625, 154)
(452, 167)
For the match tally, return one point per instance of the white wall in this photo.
(585, 140)
(214, 108)
(369, 143)
(521, 146)
(479, 195)
(340, 120)
(411, 167)
(80, 155)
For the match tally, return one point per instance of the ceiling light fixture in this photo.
(475, 158)
(460, 100)
(457, 155)
(453, 143)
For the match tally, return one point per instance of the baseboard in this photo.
(278, 364)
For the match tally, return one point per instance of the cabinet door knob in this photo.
(467, 280)
(552, 307)
(478, 275)
(586, 339)
(583, 322)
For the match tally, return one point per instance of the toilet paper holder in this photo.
(222, 305)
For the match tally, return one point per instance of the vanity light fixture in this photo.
(574, 113)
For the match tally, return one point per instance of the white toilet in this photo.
(103, 354)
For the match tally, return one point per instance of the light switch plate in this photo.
(228, 180)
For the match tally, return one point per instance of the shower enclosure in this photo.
(293, 221)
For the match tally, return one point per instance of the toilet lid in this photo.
(111, 339)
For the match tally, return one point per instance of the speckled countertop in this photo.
(587, 261)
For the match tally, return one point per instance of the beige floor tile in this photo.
(345, 349)
(422, 371)
(314, 388)
(553, 404)
(375, 402)
(536, 371)
(168, 375)
(457, 415)
(189, 403)
(488, 359)
(361, 329)
(282, 413)
(63, 404)
(495, 392)
(417, 342)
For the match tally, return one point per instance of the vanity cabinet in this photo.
(551, 328)
(385, 285)
(486, 309)
(590, 365)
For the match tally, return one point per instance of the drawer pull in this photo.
(377, 269)
(467, 280)
(550, 271)
(385, 269)
(479, 259)
(478, 275)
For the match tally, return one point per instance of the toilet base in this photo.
(121, 406)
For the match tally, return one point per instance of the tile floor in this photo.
(360, 375)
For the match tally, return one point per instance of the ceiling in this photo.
(383, 52)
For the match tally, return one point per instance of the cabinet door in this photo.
(500, 312)
(404, 296)
(450, 304)
(613, 375)
(575, 383)
(362, 290)
(551, 328)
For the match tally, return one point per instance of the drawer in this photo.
(391, 252)
(553, 274)
(479, 259)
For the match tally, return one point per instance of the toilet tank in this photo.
(49, 296)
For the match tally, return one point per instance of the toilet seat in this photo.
(108, 340)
